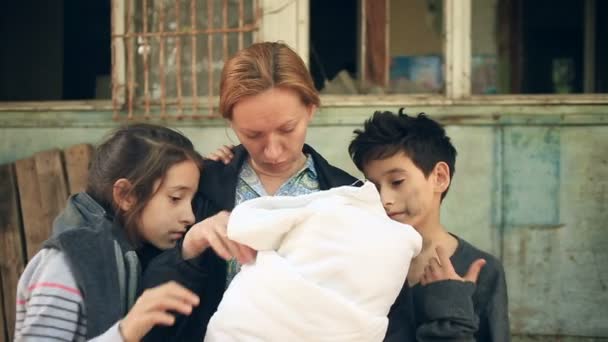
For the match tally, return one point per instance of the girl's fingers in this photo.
(248, 254)
(226, 151)
(234, 249)
(217, 243)
(158, 318)
(214, 156)
(178, 291)
(172, 304)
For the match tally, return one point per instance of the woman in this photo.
(268, 98)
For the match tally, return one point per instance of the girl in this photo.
(83, 284)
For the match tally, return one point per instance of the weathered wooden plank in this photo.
(3, 328)
(77, 160)
(43, 192)
(53, 190)
(29, 199)
(12, 258)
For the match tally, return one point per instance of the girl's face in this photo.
(165, 217)
(272, 127)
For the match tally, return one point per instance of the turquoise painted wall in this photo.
(531, 187)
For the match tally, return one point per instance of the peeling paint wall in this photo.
(535, 195)
(538, 198)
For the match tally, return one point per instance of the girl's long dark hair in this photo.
(142, 154)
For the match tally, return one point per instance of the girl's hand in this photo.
(443, 269)
(223, 154)
(153, 308)
(212, 232)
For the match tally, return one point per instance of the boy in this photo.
(411, 161)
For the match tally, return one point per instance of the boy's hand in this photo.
(442, 269)
(223, 154)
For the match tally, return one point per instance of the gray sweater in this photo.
(454, 310)
(82, 282)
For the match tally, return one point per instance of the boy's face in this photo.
(407, 195)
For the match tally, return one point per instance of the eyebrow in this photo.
(288, 123)
(179, 188)
(394, 170)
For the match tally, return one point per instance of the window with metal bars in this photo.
(167, 55)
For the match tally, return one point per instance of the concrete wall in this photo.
(531, 189)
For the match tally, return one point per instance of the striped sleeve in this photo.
(50, 307)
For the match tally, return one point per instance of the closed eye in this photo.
(397, 182)
(252, 136)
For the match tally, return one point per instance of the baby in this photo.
(329, 266)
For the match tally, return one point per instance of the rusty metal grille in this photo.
(167, 55)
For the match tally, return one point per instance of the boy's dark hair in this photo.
(142, 154)
(422, 139)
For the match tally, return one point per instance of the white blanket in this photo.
(329, 267)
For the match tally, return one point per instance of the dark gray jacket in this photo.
(104, 264)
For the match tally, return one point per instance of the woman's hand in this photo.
(212, 232)
(153, 307)
(443, 269)
(223, 154)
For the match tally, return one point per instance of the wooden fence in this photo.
(32, 192)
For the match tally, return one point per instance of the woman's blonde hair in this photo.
(260, 67)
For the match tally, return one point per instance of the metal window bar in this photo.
(163, 77)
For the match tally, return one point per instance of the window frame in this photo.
(457, 46)
(277, 23)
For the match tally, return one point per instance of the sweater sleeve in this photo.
(204, 275)
(496, 312)
(49, 303)
(400, 321)
(448, 312)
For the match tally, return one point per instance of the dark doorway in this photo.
(549, 37)
(333, 39)
(58, 50)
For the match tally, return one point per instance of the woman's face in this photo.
(272, 127)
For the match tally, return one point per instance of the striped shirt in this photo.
(49, 305)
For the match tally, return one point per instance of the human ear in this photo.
(442, 177)
(121, 194)
(311, 111)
